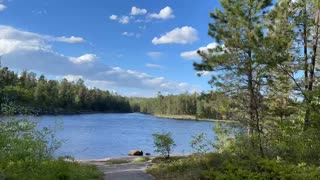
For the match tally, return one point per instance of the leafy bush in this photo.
(27, 153)
(225, 166)
(200, 144)
(164, 144)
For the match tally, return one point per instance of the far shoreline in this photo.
(188, 118)
(162, 116)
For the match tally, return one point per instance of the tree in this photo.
(164, 144)
(239, 31)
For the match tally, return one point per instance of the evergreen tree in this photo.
(239, 29)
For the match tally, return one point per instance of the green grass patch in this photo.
(160, 159)
(140, 159)
(228, 166)
(50, 169)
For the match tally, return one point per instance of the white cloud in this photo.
(154, 55)
(121, 20)
(204, 73)
(113, 17)
(154, 66)
(12, 40)
(124, 20)
(137, 11)
(2, 7)
(193, 55)
(71, 39)
(129, 34)
(183, 35)
(26, 50)
(83, 59)
(165, 13)
(72, 78)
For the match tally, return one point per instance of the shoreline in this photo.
(129, 158)
(188, 117)
(162, 116)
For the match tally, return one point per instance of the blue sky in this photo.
(135, 48)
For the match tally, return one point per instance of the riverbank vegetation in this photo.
(26, 92)
(212, 105)
(27, 152)
(266, 62)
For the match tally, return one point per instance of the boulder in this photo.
(135, 153)
(148, 154)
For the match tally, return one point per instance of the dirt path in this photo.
(128, 171)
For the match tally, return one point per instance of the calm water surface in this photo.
(94, 136)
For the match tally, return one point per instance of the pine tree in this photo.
(238, 28)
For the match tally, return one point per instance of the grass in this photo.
(177, 168)
(164, 160)
(50, 169)
(117, 161)
(231, 166)
(140, 159)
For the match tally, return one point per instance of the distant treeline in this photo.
(28, 93)
(212, 105)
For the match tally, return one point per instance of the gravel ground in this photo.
(128, 171)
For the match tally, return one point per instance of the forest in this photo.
(211, 105)
(26, 93)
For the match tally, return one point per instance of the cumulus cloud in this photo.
(12, 39)
(165, 13)
(183, 35)
(157, 66)
(113, 17)
(83, 59)
(2, 7)
(121, 20)
(193, 55)
(154, 55)
(124, 20)
(136, 11)
(26, 50)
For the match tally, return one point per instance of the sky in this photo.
(132, 47)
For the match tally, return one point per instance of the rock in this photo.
(135, 153)
(148, 154)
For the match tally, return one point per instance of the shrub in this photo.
(27, 153)
(164, 144)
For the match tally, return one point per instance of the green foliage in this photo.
(200, 144)
(41, 96)
(231, 167)
(140, 159)
(27, 153)
(211, 105)
(180, 169)
(227, 166)
(164, 144)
